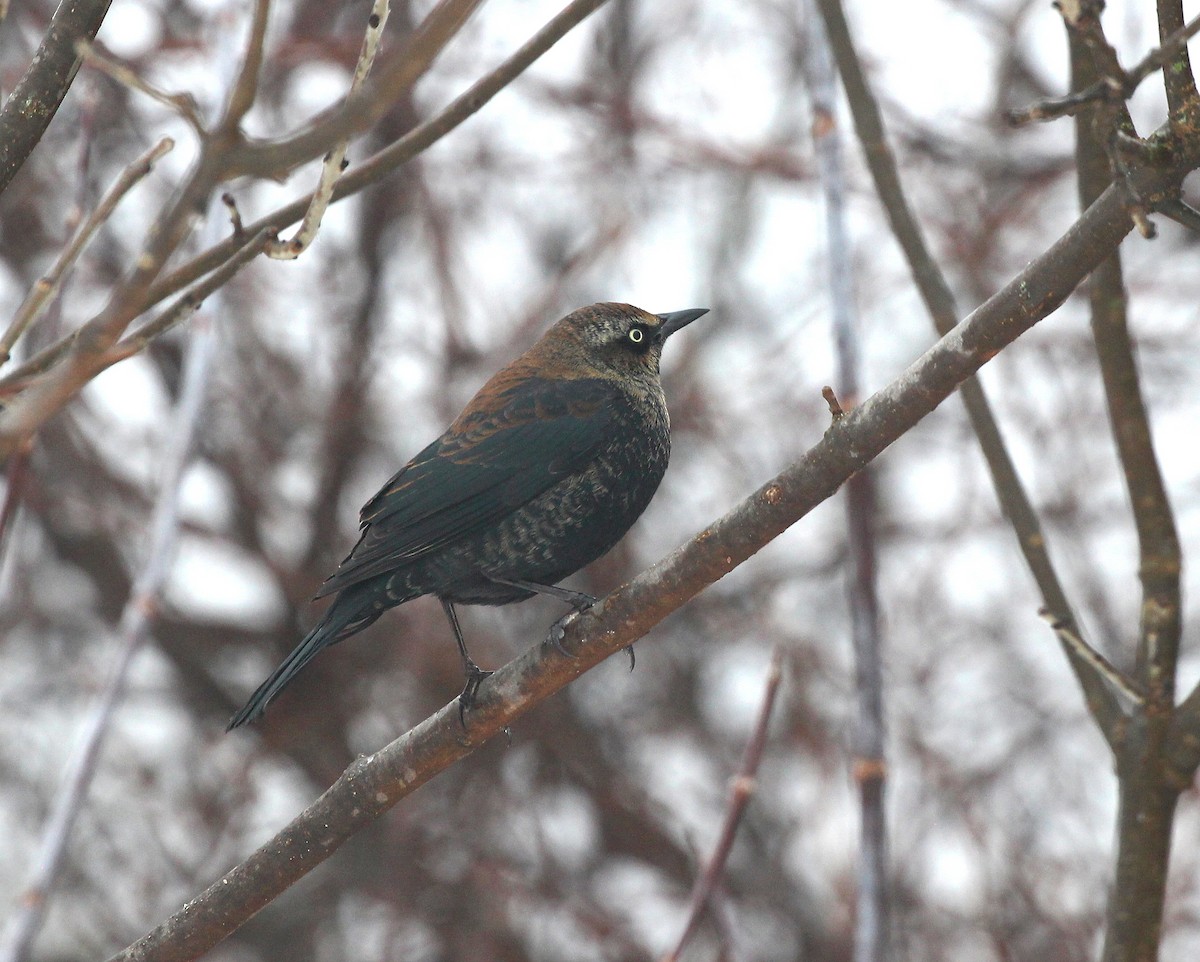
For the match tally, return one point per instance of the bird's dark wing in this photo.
(491, 461)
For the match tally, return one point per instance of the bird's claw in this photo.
(558, 631)
(632, 657)
(466, 700)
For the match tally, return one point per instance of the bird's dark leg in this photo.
(578, 600)
(475, 674)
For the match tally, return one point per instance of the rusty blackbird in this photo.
(542, 473)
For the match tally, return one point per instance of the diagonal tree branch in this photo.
(373, 784)
(33, 103)
(47, 286)
(744, 786)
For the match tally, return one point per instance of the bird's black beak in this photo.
(677, 320)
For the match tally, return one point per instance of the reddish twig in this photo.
(741, 791)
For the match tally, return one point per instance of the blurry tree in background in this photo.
(659, 154)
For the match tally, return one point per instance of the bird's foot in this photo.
(466, 700)
(558, 631)
(581, 601)
(579, 604)
(632, 657)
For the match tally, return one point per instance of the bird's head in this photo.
(617, 339)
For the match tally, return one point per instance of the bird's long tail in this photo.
(345, 617)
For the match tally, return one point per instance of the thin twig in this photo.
(190, 302)
(335, 161)
(184, 104)
(1111, 673)
(742, 789)
(1119, 87)
(47, 285)
(138, 339)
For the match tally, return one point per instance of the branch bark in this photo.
(1148, 785)
(35, 100)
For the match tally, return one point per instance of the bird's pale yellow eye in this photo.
(637, 335)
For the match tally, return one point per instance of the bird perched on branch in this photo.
(542, 473)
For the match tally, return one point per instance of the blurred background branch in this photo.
(872, 910)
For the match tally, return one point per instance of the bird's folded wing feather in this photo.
(490, 464)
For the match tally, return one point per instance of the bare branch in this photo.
(1183, 102)
(394, 156)
(245, 87)
(35, 100)
(1136, 901)
(47, 286)
(18, 472)
(189, 303)
(1117, 87)
(373, 170)
(1180, 212)
(86, 352)
(365, 106)
(741, 791)
(335, 161)
(873, 910)
(139, 610)
(183, 104)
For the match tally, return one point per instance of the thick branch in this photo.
(1148, 789)
(373, 784)
(32, 105)
(1158, 541)
(1182, 99)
